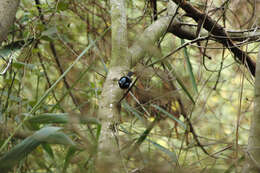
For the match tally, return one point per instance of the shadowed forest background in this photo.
(192, 105)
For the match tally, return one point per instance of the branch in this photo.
(148, 38)
(217, 30)
(188, 31)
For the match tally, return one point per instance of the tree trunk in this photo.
(108, 157)
(8, 10)
(253, 151)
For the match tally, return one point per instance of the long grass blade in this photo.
(169, 115)
(170, 68)
(190, 70)
(171, 154)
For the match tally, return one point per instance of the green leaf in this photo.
(187, 58)
(20, 151)
(169, 66)
(25, 18)
(169, 115)
(59, 138)
(171, 154)
(50, 32)
(48, 118)
(60, 118)
(69, 155)
(62, 6)
(98, 131)
(13, 49)
(133, 111)
(48, 149)
(8, 52)
(18, 65)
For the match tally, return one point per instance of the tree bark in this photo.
(253, 150)
(108, 158)
(8, 10)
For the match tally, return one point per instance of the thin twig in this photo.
(216, 29)
(179, 48)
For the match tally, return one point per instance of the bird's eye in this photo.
(124, 82)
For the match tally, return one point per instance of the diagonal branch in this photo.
(217, 30)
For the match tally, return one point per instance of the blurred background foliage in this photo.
(49, 35)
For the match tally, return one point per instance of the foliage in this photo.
(189, 111)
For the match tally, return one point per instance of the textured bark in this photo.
(147, 39)
(253, 151)
(8, 10)
(108, 157)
